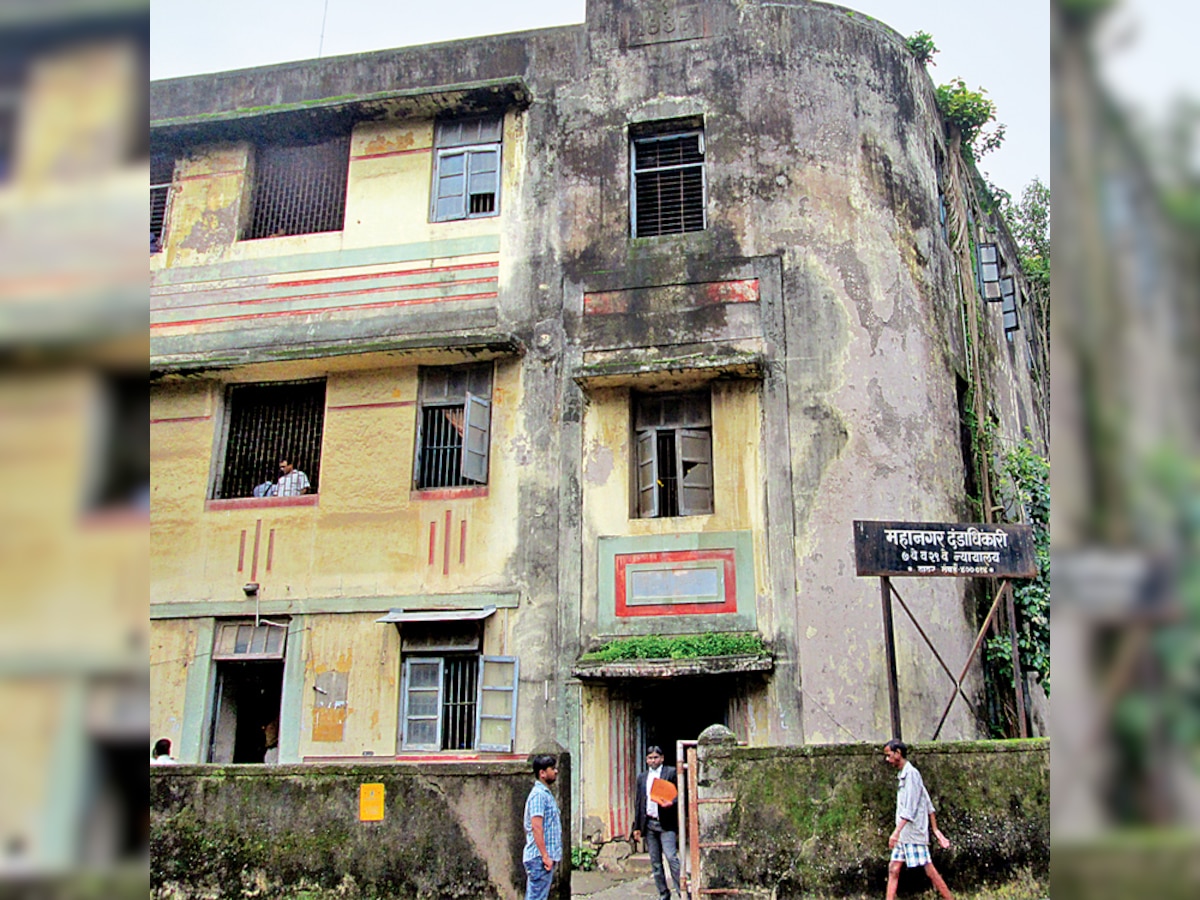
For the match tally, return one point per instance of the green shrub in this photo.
(692, 646)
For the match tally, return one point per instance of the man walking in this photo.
(659, 821)
(909, 841)
(543, 830)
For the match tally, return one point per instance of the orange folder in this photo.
(662, 791)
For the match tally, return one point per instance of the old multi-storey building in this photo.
(577, 334)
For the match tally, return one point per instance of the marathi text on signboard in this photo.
(972, 550)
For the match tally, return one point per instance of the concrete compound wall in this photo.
(449, 830)
(786, 822)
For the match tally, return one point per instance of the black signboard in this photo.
(962, 550)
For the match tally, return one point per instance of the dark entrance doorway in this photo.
(678, 710)
(246, 703)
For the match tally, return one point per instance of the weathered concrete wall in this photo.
(816, 819)
(448, 831)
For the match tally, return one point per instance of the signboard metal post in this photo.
(889, 643)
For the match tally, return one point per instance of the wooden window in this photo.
(459, 702)
(454, 426)
(674, 455)
(668, 195)
(299, 188)
(466, 177)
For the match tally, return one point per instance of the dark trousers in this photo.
(661, 843)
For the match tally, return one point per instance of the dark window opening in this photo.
(245, 721)
(264, 424)
(466, 177)
(668, 184)
(454, 426)
(115, 827)
(460, 686)
(162, 171)
(12, 79)
(674, 455)
(662, 720)
(299, 189)
(121, 477)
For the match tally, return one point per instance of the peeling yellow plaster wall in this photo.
(370, 535)
(368, 653)
(172, 651)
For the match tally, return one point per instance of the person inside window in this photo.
(292, 482)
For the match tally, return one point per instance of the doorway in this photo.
(677, 711)
(245, 721)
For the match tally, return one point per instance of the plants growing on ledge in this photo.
(688, 646)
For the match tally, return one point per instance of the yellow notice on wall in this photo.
(370, 802)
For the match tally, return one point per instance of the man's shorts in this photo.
(913, 855)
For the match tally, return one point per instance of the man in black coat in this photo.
(659, 822)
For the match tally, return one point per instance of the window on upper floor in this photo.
(454, 424)
(162, 171)
(265, 426)
(453, 697)
(466, 173)
(668, 190)
(298, 188)
(673, 436)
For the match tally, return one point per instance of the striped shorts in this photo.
(913, 855)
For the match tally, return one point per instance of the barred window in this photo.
(668, 184)
(265, 423)
(466, 176)
(674, 454)
(454, 427)
(162, 171)
(299, 188)
(459, 702)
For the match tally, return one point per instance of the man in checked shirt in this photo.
(914, 819)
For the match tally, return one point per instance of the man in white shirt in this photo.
(658, 821)
(909, 841)
(293, 482)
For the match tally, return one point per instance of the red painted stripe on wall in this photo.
(462, 543)
(323, 309)
(291, 298)
(432, 540)
(623, 560)
(337, 279)
(388, 153)
(446, 547)
(254, 558)
(242, 552)
(270, 549)
(390, 403)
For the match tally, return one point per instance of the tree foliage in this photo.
(921, 46)
(969, 111)
(1025, 488)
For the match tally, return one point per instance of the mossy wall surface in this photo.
(816, 819)
(451, 830)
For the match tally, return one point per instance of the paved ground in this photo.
(613, 885)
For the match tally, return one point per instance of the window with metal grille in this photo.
(459, 702)
(299, 188)
(265, 423)
(162, 170)
(453, 431)
(674, 455)
(668, 184)
(466, 174)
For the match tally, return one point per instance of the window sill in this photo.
(261, 502)
(454, 493)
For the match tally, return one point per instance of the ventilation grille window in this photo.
(299, 189)
(267, 422)
(162, 169)
(668, 184)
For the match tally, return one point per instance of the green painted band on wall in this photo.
(291, 704)
(196, 694)
(334, 259)
(66, 793)
(195, 609)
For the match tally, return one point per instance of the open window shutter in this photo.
(422, 704)
(483, 177)
(496, 716)
(647, 474)
(693, 448)
(477, 425)
(450, 201)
